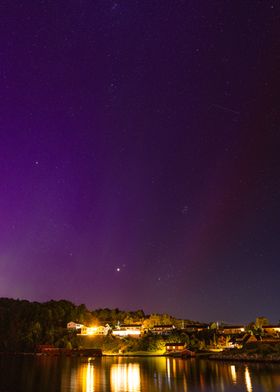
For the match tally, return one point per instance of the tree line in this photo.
(24, 324)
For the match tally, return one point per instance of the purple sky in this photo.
(140, 155)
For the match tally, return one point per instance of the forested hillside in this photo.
(24, 324)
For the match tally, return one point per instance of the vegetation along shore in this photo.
(62, 328)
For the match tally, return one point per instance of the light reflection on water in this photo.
(89, 378)
(47, 374)
(125, 377)
(248, 381)
(233, 373)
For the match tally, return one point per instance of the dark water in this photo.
(45, 374)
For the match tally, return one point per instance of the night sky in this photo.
(139, 155)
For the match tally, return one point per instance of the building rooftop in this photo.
(130, 325)
(163, 326)
(232, 326)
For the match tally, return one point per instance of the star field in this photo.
(140, 155)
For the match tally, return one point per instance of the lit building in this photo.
(171, 347)
(98, 330)
(271, 329)
(232, 329)
(195, 327)
(128, 330)
(73, 325)
(163, 329)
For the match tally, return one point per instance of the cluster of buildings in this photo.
(270, 334)
(226, 336)
(137, 329)
(87, 331)
(120, 330)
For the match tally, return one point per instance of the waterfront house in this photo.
(44, 348)
(171, 347)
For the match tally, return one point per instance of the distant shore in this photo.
(243, 357)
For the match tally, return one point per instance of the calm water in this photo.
(42, 374)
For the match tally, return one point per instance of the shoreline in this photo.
(244, 358)
(203, 356)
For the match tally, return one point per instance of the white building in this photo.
(128, 330)
(98, 330)
(72, 325)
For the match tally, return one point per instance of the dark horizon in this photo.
(140, 156)
(183, 317)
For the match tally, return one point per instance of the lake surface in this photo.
(46, 374)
